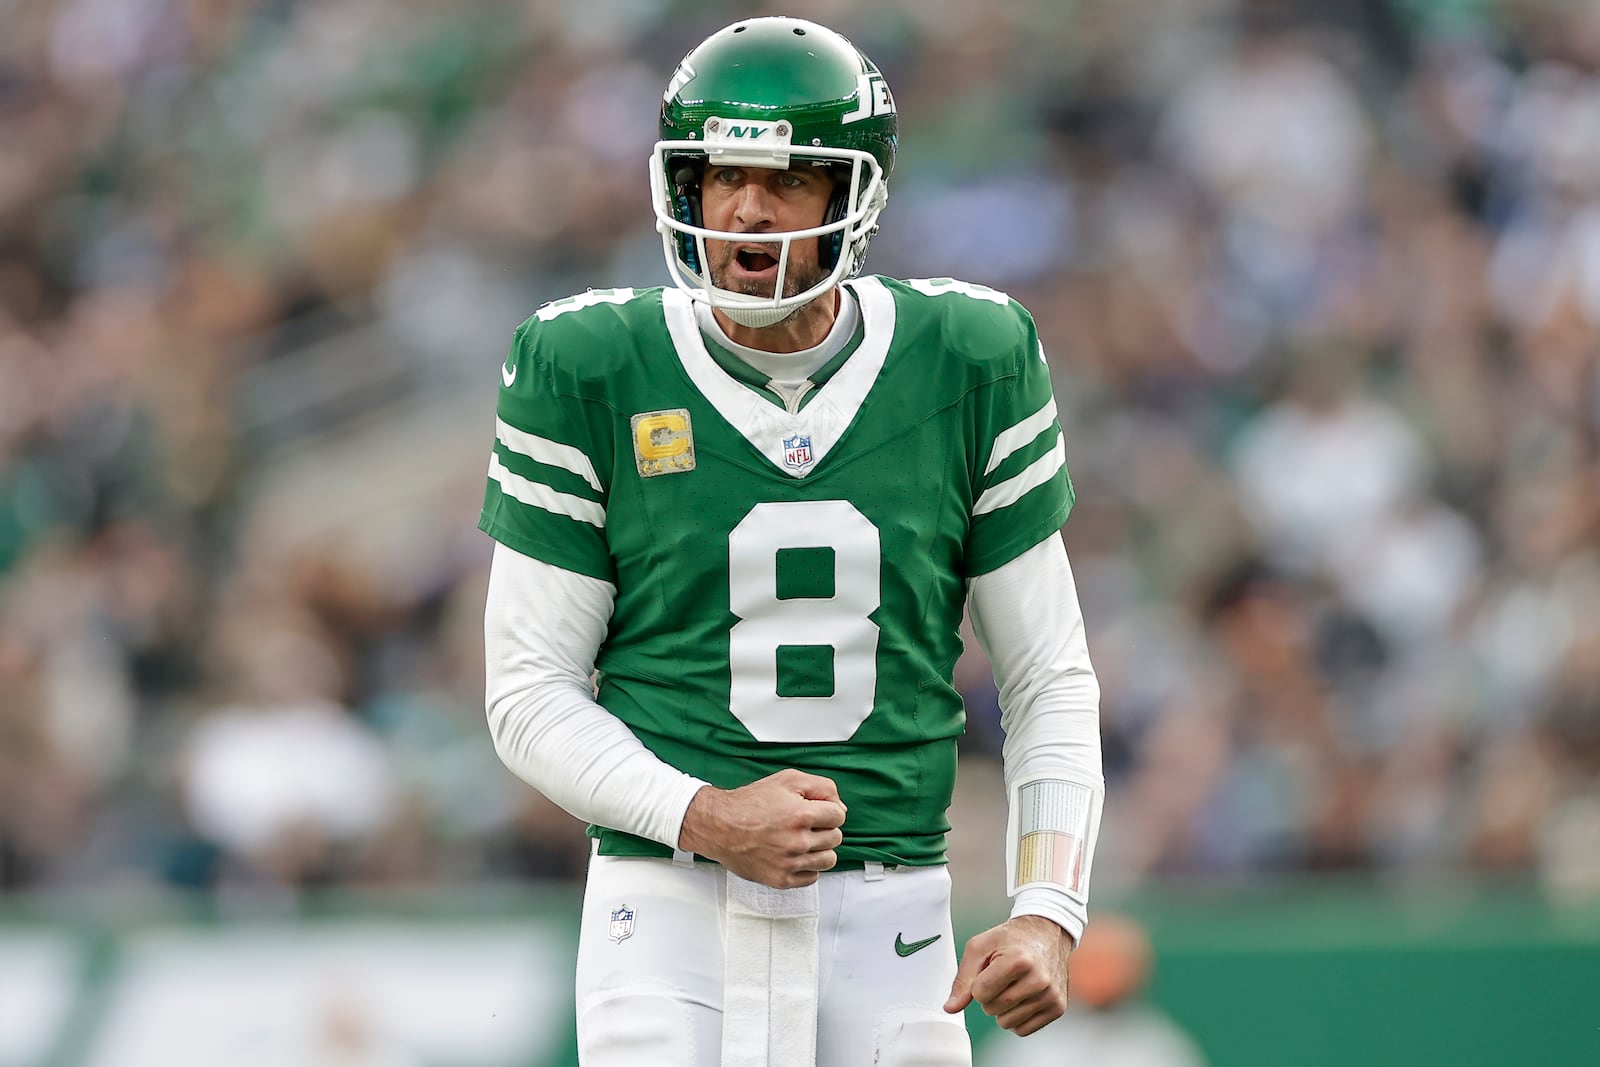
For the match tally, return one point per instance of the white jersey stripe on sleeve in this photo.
(538, 495)
(1031, 477)
(1009, 440)
(543, 450)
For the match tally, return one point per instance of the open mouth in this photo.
(756, 262)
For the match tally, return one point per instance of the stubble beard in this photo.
(796, 279)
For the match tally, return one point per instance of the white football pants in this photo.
(650, 967)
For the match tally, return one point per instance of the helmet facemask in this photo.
(676, 168)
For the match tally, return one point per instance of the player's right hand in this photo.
(780, 830)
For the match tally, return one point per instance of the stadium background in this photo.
(1320, 284)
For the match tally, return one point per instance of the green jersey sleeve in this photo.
(550, 465)
(1021, 492)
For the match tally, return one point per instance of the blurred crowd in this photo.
(1319, 282)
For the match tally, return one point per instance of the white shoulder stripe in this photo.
(538, 495)
(1015, 488)
(1009, 440)
(546, 451)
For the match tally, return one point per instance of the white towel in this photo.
(769, 999)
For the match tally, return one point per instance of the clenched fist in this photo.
(1017, 972)
(780, 830)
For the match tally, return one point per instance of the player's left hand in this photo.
(1017, 971)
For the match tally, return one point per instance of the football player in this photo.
(738, 520)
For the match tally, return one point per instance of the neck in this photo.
(804, 329)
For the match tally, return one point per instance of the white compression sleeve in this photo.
(542, 628)
(1027, 619)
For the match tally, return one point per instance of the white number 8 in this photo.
(766, 622)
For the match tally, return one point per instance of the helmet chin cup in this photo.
(761, 318)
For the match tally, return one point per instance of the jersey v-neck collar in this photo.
(756, 379)
(787, 368)
(794, 443)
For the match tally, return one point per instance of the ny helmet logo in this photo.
(747, 142)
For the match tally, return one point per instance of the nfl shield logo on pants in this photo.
(797, 451)
(621, 924)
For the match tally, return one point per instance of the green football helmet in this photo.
(769, 92)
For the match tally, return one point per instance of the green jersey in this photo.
(789, 577)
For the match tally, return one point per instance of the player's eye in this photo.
(727, 175)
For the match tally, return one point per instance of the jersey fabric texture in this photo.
(789, 584)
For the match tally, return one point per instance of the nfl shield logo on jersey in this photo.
(797, 451)
(621, 924)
